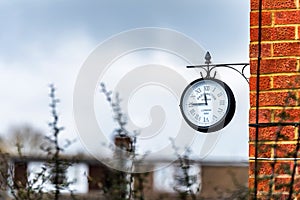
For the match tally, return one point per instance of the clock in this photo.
(207, 104)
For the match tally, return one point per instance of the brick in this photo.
(266, 18)
(284, 184)
(287, 115)
(285, 150)
(265, 50)
(298, 98)
(264, 150)
(286, 82)
(287, 17)
(269, 168)
(271, 34)
(262, 184)
(254, 34)
(264, 83)
(265, 196)
(284, 167)
(273, 4)
(273, 133)
(253, 99)
(283, 33)
(287, 49)
(278, 196)
(274, 99)
(264, 116)
(274, 65)
(263, 168)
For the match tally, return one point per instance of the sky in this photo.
(43, 42)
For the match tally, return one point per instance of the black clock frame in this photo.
(226, 118)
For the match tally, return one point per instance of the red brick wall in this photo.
(279, 79)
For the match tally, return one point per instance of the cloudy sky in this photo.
(44, 42)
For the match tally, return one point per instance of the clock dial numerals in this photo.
(193, 112)
(198, 90)
(220, 110)
(206, 87)
(222, 102)
(206, 119)
(206, 102)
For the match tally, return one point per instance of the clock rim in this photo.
(222, 123)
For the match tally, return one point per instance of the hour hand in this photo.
(197, 104)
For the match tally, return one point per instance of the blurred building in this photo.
(213, 180)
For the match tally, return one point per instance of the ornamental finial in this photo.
(207, 58)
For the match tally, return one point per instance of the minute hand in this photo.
(205, 99)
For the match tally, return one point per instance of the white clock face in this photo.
(206, 103)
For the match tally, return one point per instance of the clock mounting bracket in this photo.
(210, 69)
